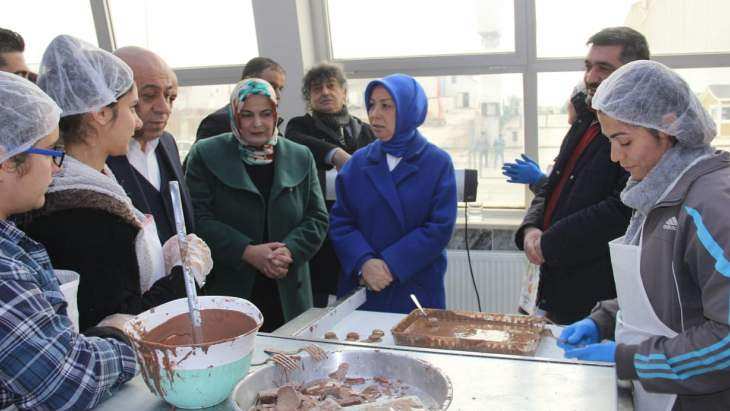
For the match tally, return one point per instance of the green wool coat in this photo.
(229, 214)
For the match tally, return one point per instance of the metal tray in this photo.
(470, 331)
(424, 380)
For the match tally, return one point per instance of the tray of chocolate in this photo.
(470, 331)
(355, 380)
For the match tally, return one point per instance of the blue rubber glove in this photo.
(605, 351)
(522, 171)
(579, 334)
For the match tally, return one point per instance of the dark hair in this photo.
(634, 43)
(320, 74)
(10, 42)
(20, 163)
(72, 129)
(258, 65)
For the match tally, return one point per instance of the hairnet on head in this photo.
(27, 115)
(80, 77)
(648, 94)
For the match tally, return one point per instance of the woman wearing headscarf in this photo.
(670, 322)
(396, 204)
(258, 204)
(44, 363)
(88, 223)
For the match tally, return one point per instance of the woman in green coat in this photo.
(259, 207)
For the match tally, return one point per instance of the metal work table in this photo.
(480, 381)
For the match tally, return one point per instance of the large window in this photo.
(188, 34)
(670, 26)
(491, 77)
(387, 28)
(193, 104)
(40, 21)
(712, 86)
(553, 93)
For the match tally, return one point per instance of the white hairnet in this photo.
(648, 94)
(80, 77)
(26, 115)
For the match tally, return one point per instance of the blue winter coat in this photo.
(404, 217)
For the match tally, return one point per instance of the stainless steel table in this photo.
(480, 381)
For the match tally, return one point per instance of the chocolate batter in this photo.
(218, 325)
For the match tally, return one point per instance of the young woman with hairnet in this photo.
(44, 363)
(88, 223)
(670, 322)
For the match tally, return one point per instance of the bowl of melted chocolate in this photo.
(195, 374)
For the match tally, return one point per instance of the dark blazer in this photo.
(214, 123)
(577, 270)
(320, 139)
(127, 178)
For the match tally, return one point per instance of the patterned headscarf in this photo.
(248, 87)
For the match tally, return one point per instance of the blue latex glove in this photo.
(605, 351)
(522, 171)
(579, 334)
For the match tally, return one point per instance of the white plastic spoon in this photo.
(418, 304)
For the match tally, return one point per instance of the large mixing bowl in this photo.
(426, 381)
(195, 376)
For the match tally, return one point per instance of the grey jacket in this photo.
(686, 274)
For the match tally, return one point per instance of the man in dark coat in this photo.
(219, 122)
(332, 134)
(153, 159)
(573, 217)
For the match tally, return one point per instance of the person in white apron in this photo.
(668, 330)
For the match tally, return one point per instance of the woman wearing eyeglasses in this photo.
(39, 345)
(88, 223)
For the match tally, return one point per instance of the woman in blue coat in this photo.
(396, 204)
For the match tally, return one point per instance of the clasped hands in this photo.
(270, 259)
(376, 275)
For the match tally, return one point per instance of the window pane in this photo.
(392, 28)
(39, 28)
(553, 92)
(711, 85)
(670, 26)
(188, 34)
(478, 120)
(193, 104)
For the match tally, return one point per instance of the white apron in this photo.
(636, 320)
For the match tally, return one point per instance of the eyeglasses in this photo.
(57, 156)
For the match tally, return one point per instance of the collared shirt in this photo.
(392, 161)
(146, 161)
(44, 363)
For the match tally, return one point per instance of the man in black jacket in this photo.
(573, 217)
(332, 134)
(153, 159)
(219, 122)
